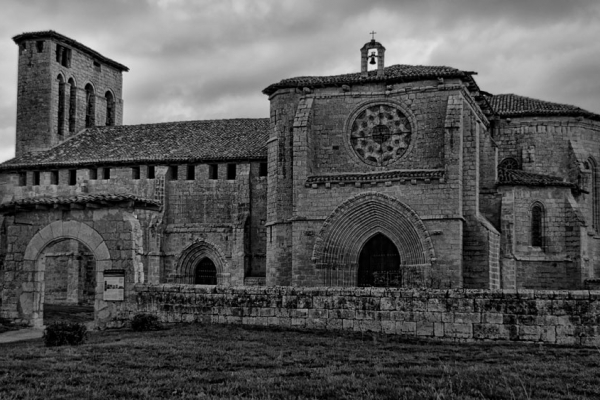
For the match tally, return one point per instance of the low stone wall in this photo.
(554, 317)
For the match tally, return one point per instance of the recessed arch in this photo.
(357, 220)
(193, 255)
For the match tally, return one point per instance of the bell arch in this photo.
(346, 231)
(193, 255)
(31, 299)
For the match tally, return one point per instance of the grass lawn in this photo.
(237, 362)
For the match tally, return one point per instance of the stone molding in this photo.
(402, 176)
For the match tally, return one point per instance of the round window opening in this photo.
(380, 135)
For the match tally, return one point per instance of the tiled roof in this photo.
(81, 199)
(394, 73)
(170, 142)
(512, 105)
(519, 177)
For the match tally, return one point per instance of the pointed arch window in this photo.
(594, 193)
(537, 225)
(110, 109)
(90, 106)
(72, 104)
(61, 106)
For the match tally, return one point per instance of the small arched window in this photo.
(594, 193)
(61, 106)
(90, 106)
(537, 225)
(72, 104)
(509, 163)
(110, 109)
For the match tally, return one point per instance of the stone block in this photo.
(348, 324)
(458, 330)
(438, 329)
(472, 318)
(406, 327)
(491, 318)
(388, 327)
(424, 328)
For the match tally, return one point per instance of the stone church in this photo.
(395, 176)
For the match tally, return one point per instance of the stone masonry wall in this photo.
(553, 317)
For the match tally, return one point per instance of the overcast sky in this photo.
(209, 59)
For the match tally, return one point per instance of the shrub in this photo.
(145, 322)
(61, 333)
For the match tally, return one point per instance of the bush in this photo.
(62, 333)
(145, 322)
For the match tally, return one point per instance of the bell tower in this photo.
(376, 57)
(63, 87)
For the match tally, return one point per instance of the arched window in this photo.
(110, 109)
(61, 106)
(537, 225)
(509, 163)
(90, 106)
(594, 193)
(72, 104)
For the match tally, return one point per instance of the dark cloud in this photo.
(196, 59)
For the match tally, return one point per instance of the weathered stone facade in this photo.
(404, 176)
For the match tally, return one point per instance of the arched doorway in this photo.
(379, 263)
(69, 269)
(205, 272)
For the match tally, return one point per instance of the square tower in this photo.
(63, 87)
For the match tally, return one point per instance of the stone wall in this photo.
(553, 317)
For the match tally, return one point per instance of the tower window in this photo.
(263, 169)
(151, 172)
(594, 189)
(22, 178)
(36, 178)
(54, 177)
(90, 106)
(61, 106)
(106, 173)
(39, 45)
(63, 56)
(213, 171)
(97, 66)
(537, 225)
(191, 172)
(93, 174)
(110, 109)
(174, 171)
(135, 172)
(72, 177)
(231, 169)
(72, 105)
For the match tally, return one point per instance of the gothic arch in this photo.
(356, 221)
(195, 253)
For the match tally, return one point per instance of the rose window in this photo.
(380, 135)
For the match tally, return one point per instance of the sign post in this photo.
(114, 285)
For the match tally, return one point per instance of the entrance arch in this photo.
(193, 256)
(205, 272)
(379, 263)
(349, 227)
(32, 293)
